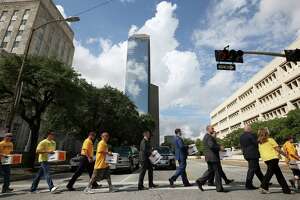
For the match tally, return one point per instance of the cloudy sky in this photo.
(184, 34)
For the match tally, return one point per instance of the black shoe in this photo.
(96, 186)
(153, 186)
(188, 185)
(171, 182)
(141, 188)
(227, 182)
(70, 188)
(200, 185)
(251, 187)
(10, 189)
(224, 191)
(211, 184)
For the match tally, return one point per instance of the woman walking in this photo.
(270, 153)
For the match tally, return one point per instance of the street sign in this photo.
(222, 66)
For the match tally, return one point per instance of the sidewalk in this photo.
(18, 174)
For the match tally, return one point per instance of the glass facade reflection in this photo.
(137, 83)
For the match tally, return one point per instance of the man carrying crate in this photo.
(6, 148)
(44, 148)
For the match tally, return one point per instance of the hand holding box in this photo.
(12, 159)
(192, 150)
(155, 157)
(57, 156)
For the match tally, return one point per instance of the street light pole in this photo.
(19, 84)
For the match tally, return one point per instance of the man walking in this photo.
(249, 146)
(101, 169)
(181, 153)
(44, 148)
(86, 161)
(145, 152)
(6, 148)
(212, 157)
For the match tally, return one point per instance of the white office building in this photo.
(271, 93)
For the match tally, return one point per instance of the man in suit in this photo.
(249, 147)
(181, 153)
(212, 157)
(145, 152)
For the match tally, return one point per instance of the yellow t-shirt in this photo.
(267, 151)
(6, 148)
(87, 148)
(45, 146)
(101, 155)
(290, 150)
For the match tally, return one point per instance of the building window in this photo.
(7, 34)
(15, 15)
(3, 45)
(16, 44)
(26, 14)
(3, 16)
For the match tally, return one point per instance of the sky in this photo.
(184, 35)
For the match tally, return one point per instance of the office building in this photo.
(271, 93)
(138, 75)
(18, 17)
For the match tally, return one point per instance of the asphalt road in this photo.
(127, 187)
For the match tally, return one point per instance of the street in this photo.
(127, 187)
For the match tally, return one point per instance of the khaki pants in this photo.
(99, 175)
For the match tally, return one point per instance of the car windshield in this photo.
(123, 151)
(164, 150)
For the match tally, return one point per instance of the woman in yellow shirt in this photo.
(270, 153)
(291, 158)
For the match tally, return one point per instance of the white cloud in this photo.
(92, 40)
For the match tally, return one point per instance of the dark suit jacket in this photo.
(249, 146)
(181, 151)
(211, 148)
(145, 150)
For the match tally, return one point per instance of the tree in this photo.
(45, 82)
(232, 139)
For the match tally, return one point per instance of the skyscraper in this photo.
(138, 76)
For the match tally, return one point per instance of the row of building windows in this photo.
(271, 95)
(224, 130)
(223, 120)
(287, 66)
(266, 81)
(252, 120)
(277, 112)
(221, 111)
(246, 94)
(233, 115)
(295, 83)
(296, 103)
(249, 107)
(232, 104)
(237, 126)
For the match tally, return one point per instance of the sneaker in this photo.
(54, 190)
(70, 188)
(34, 192)
(263, 191)
(227, 182)
(200, 185)
(171, 182)
(112, 189)
(88, 191)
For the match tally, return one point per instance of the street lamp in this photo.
(19, 84)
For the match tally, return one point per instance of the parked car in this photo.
(168, 158)
(128, 158)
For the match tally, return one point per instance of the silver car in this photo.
(168, 158)
(128, 159)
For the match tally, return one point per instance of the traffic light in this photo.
(292, 55)
(232, 56)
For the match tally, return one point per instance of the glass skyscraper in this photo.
(137, 85)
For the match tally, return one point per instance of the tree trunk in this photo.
(34, 140)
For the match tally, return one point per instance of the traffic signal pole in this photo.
(265, 53)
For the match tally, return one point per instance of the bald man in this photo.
(249, 146)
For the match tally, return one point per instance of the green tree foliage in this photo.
(232, 139)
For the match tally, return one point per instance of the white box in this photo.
(192, 150)
(155, 157)
(12, 159)
(112, 159)
(57, 156)
(294, 164)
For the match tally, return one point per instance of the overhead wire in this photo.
(102, 3)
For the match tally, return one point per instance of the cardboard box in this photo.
(12, 159)
(112, 159)
(58, 156)
(155, 157)
(192, 150)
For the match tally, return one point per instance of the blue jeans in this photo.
(5, 172)
(181, 171)
(43, 171)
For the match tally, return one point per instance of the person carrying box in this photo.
(6, 148)
(44, 148)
